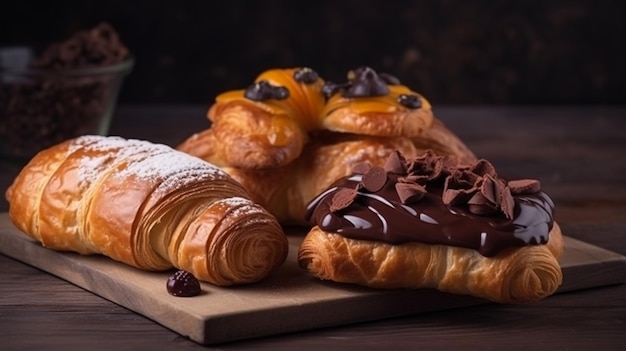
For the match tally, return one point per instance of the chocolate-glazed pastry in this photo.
(436, 224)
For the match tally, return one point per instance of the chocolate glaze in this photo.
(381, 216)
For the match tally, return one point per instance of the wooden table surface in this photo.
(578, 153)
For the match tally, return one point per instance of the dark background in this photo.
(454, 52)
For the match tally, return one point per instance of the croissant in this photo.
(146, 205)
(429, 222)
(265, 125)
(268, 124)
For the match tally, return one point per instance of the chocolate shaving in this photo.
(342, 199)
(483, 168)
(478, 199)
(478, 187)
(418, 179)
(429, 164)
(430, 168)
(396, 163)
(374, 179)
(455, 197)
(475, 186)
(462, 180)
(507, 203)
(456, 190)
(524, 186)
(410, 192)
(491, 189)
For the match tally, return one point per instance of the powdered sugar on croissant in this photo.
(146, 205)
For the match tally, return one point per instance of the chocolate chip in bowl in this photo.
(66, 90)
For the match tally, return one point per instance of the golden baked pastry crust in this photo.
(271, 132)
(285, 151)
(148, 206)
(378, 115)
(285, 191)
(516, 275)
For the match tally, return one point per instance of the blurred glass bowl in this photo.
(40, 108)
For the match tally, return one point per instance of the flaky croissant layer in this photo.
(514, 276)
(146, 205)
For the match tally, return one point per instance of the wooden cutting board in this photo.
(288, 301)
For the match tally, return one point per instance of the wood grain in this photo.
(275, 305)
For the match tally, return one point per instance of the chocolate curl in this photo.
(491, 189)
(499, 194)
(524, 186)
(449, 164)
(483, 168)
(418, 179)
(396, 163)
(507, 203)
(410, 192)
(456, 190)
(464, 180)
(482, 195)
(429, 164)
